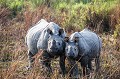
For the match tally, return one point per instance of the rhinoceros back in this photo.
(90, 43)
(34, 33)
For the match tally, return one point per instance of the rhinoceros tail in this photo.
(100, 46)
(26, 40)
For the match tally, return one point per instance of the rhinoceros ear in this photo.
(76, 39)
(61, 31)
(49, 31)
(66, 39)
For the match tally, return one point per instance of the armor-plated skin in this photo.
(50, 38)
(84, 46)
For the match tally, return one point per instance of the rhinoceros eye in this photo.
(75, 49)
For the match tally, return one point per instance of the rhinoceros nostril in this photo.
(54, 48)
(68, 54)
(73, 54)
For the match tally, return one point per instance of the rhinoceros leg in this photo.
(46, 63)
(84, 64)
(73, 69)
(62, 65)
(31, 59)
(97, 63)
(90, 65)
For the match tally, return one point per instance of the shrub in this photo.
(15, 5)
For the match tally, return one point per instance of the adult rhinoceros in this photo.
(83, 46)
(50, 38)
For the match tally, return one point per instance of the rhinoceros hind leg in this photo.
(30, 59)
(97, 63)
(90, 65)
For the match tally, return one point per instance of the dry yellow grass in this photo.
(15, 67)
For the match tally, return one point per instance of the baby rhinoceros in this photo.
(48, 37)
(83, 47)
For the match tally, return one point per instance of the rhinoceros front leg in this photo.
(46, 63)
(62, 65)
(73, 72)
(30, 59)
(84, 64)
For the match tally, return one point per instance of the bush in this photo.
(15, 5)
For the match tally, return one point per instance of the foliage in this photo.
(15, 5)
(81, 15)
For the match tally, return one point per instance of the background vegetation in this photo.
(17, 16)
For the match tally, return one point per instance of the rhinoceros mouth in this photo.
(55, 52)
(70, 56)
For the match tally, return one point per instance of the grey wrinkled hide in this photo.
(85, 48)
(33, 35)
(89, 43)
(46, 36)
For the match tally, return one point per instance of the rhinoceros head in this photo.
(71, 49)
(55, 42)
(52, 39)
